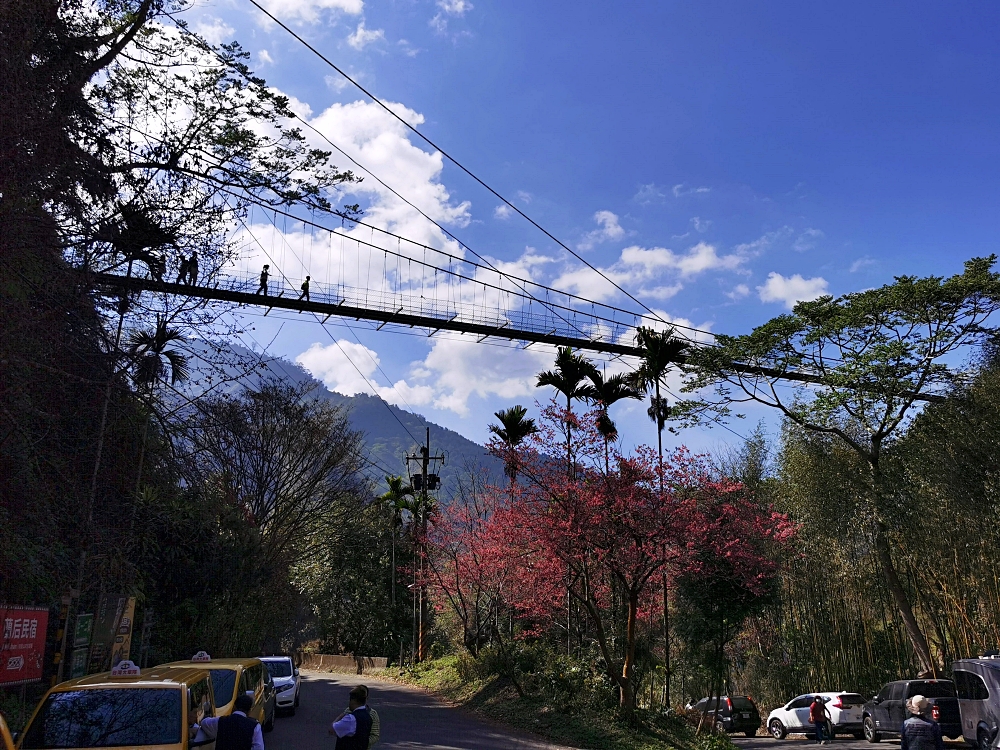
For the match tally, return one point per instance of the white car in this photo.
(286, 681)
(793, 717)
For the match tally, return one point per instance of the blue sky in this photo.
(749, 154)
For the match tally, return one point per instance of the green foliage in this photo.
(714, 741)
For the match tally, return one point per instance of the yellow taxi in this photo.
(6, 743)
(153, 709)
(230, 677)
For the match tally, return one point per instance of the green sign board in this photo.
(84, 626)
(81, 658)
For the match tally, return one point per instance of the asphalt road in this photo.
(799, 742)
(410, 719)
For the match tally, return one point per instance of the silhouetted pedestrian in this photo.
(193, 269)
(305, 289)
(182, 272)
(262, 289)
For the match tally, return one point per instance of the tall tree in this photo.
(607, 393)
(514, 428)
(569, 378)
(871, 357)
(661, 351)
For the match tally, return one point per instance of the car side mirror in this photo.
(296, 671)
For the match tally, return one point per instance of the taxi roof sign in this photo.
(201, 657)
(125, 668)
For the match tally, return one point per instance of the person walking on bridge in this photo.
(262, 289)
(354, 727)
(236, 731)
(193, 269)
(305, 289)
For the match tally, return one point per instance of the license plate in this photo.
(746, 716)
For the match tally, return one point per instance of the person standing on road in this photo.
(353, 727)
(920, 731)
(236, 731)
(818, 716)
(376, 733)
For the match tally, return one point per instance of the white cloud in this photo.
(700, 224)
(807, 240)
(307, 11)
(380, 142)
(862, 263)
(762, 243)
(347, 368)
(213, 30)
(503, 211)
(647, 194)
(408, 49)
(461, 368)
(680, 190)
(362, 37)
(790, 290)
(738, 292)
(439, 23)
(608, 230)
(265, 57)
(641, 270)
(455, 7)
(524, 196)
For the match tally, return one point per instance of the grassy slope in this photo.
(499, 702)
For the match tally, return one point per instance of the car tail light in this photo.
(837, 703)
(936, 713)
(729, 703)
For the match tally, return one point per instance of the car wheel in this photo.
(871, 733)
(983, 738)
(777, 729)
(269, 724)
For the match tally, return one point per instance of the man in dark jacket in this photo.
(354, 727)
(236, 731)
(920, 732)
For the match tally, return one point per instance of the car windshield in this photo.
(223, 682)
(931, 689)
(742, 704)
(107, 718)
(281, 668)
(851, 699)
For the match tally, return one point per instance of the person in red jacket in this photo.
(818, 716)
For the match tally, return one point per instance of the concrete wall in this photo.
(352, 664)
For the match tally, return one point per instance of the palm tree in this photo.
(607, 392)
(513, 430)
(661, 350)
(396, 499)
(569, 378)
(153, 358)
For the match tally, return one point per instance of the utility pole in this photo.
(424, 482)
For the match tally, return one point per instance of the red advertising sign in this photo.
(22, 649)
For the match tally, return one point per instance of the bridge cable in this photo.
(457, 163)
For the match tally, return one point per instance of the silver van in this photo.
(977, 682)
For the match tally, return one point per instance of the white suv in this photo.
(286, 681)
(793, 718)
